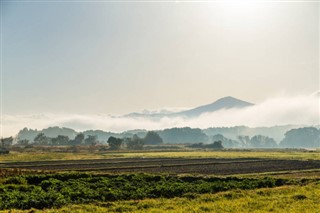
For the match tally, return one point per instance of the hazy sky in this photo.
(115, 58)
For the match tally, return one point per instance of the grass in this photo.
(274, 154)
(294, 198)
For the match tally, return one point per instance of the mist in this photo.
(281, 110)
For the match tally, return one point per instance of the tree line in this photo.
(135, 142)
(308, 137)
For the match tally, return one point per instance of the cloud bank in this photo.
(300, 110)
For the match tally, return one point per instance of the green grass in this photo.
(293, 198)
(280, 154)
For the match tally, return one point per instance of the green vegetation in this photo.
(56, 190)
(214, 145)
(153, 138)
(293, 198)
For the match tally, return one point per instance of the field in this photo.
(210, 166)
(49, 154)
(184, 181)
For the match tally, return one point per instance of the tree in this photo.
(114, 143)
(216, 145)
(183, 135)
(307, 137)
(260, 141)
(41, 139)
(23, 142)
(60, 140)
(79, 139)
(91, 140)
(226, 142)
(245, 140)
(6, 142)
(135, 143)
(152, 138)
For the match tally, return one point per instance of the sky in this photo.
(81, 58)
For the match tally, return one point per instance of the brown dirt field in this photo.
(212, 166)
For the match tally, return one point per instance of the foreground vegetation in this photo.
(284, 191)
(56, 190)
(289, 198)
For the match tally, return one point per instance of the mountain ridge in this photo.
(227, 102)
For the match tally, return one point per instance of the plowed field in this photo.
(214, 166)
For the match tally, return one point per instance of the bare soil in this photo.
(214, 166)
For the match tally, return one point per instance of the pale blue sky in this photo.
(116, 58)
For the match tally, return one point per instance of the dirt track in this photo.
(170, 165)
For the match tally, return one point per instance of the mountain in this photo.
(222, 103)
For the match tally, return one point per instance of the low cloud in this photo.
(276, 111)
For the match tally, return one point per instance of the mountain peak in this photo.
(227, 98)
(227, 102)
(230, 99)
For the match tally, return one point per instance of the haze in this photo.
(90, 58)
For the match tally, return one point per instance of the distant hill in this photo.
(222, 103)
(30, 134)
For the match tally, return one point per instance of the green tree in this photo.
(152, 138)
(114, 143)
(260, 141)
(23, 142)
(91, 140)
(216, 145)
(6, 142)
(226, 142)
(135, 143)
(41, 139)
(60, 140)
(307, 137)
(183, 135)
(79, 139)
(244, 139)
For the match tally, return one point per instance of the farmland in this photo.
(209, 166)
(160, 181)
(40, 154)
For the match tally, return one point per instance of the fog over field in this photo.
(283, 110)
